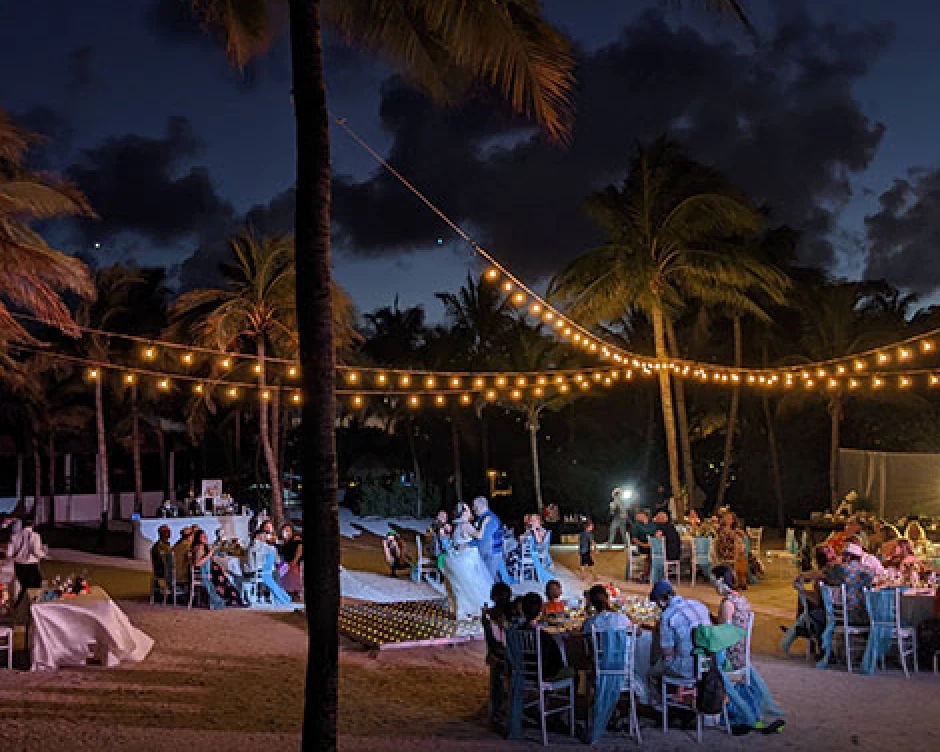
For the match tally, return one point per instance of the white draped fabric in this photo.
(69, 630)
(898, 483)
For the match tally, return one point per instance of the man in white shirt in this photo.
(26, 551)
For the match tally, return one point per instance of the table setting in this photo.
(75, 623)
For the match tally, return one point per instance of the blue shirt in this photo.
(606, 621)
(675, 633)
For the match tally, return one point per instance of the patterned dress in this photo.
(742, 610)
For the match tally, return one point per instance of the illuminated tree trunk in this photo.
(669, 413)
(733, 408)
(682, 416)
(532, 423)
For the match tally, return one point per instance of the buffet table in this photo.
(70, 630)
(145, 529)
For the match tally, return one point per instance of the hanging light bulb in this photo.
(548, 316)
(226, 362)
(352, 377)
(258, 368)
(232, 392)
(904, 382)
(809, 383)
(357, 400)
(295, 398)
(926, 346)
(507, 286)
(187, 359)
(429, 382)
(821, 373)
(535, 309)
(853, 384)
(563, 388)
(129, 378)
(515, 394)
(859, 365)
(199, 389)
(150, 352)
(501, 381)
(164, 383)
(492, 273)
(381, 379)
(840, 370)
(479, 382)
(405, 380)
(543, 380)
(538, 391)
(833, 383)
(440, 400)
(292, 372)
(934, 379)
(877, 383)
(266, 395)
(465, 399)
(904, 353)
(883, 358)
(93, 373)
(491, 395)
(519, 298)
(521, 381)
(414, 401)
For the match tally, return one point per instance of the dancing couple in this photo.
(472, 557)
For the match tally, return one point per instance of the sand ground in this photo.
(232, 680)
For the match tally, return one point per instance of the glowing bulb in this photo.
(500, 381)
(521, 381)
(833, 383)
(809, 383)
(597, 376)
(853, 384)
(258, 368)
(877, 383)
(150, 352)
(563, 388)
(507, 286)
(559, 323)
(405, 380)
(585, 384)
(413, 400)
(357, 401)
(538, 391)
(841, 370)
(577, 337)
(429, 382)
(381, 379)
(465, 399)
(187, 359)
(515, 394)
(295, 398)
(93, 374)
(199, 389)
(440, 400)
(548, 316)
(491, 395)
(164, 384)
(226, 362)
(518, 298)
(566, 331)
(233, 392)
(535, 309)
(821, 373)
(904, 353)
(904, 382)
(352, 377)
(292, 372)
(926, 346)
(266, 395)
(934, 379)
(859, 365)
(479, 382)
(492, 273)
(128, 378)
(542, 380)
(559, 379)
(883, 357)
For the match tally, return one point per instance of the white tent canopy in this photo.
(897, 484)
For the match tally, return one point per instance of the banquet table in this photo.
(917, 606)
(70, 630)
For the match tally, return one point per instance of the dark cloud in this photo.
(781, 121)
(81, 68)
(904, 234)
(174, 21)
(144, 186)
(57, 134)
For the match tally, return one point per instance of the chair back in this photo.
(614, 652)
(657, 547)
(884, 607)
(840, 611)
(528, 546)
(755, 534)
(747, 643)
(524, 653)
(703, 549)
(421, 559)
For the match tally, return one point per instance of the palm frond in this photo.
(247, 28)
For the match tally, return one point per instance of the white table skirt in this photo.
(66, 631)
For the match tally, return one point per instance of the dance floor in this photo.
(384, 626)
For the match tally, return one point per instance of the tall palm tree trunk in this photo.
(774, 450)
(37, 472)
(415, 464)
(52, 457)
(669, 413)
(733, 408)
(682, 415)
(104, 489)
(532, 424)
(267, 447)
(835, 414)
(485, 448)
(317, 357)
(135, 441)
(458, 470)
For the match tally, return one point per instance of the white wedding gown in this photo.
(467, 575)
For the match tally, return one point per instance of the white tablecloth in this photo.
(67, 631)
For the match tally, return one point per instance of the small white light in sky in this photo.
(97, 245)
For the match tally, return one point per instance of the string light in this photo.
(904, 353)
(232, 392)
(199, 389)
(93, 373)
(357, 400)
(429, 382)
(226, 362)
(515, 394)
(492, 273)
(500, 381)
(352, 377)
(859, 365)
(491, 395)
(440, 400)
(904, 382)
(479, 382)
(381, 379)
(465, 399)
(258, 368)
(455, 382)
(128, 378)
(292, 372)
(295, 398)
(187, 359)
(521, 381)
(266, 395)
(877, 383)
(405, 380)
(926, 346)
(164, 384)
(519, 298)
(414, 401)
(150, 352)
(507, 286)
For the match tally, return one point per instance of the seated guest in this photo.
(891, 537)
(553, 602)
(167, 509)
(839, 540)
(640, 534)
(292, 554)
(666, 530)
(535, 529)
(914, 532)
(553, 662)
(181, 550)
(679, 618)
(395, 555)
(219, 587)
(606, 617)
(903, 557)
(734, 609)
(158, 552)
(502, 613)
(855, 578)
(869, 561)
(827, 572)
(730, 549)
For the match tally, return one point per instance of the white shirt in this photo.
(26, 547)
(873, 565)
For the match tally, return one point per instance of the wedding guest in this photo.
(619, 517)
(729, 546)
(292, 554)
(395, 556)
(640, 536)
(891, 536)
(871, 562)
(734, 609)
(535, 529)
(159, 550)
(680, 616)
(500, 618)
(586, 547)
(903, 557)
(855, 578)
(605, 618)
(181, 551)
(666, 530)
(213, 575)
(553, 602)
(26, 551)
(502, 612)
(553, 662)
(167, 509)
(440, 528)
(838, 540)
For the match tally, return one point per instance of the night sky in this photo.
(829, 120)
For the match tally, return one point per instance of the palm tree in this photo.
(507, 43)
(34, 275)
(117, 287)
(661, 226)
(531, 350)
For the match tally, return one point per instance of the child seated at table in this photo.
(553, 602)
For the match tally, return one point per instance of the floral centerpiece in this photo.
(6, 602)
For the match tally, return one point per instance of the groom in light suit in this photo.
(489, 536)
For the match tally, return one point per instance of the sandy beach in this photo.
(233, 680)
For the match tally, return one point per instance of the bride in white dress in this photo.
(467, 575)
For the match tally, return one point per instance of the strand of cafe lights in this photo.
(524, 297)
